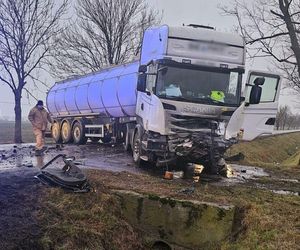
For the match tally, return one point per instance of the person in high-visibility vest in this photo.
(217, 95)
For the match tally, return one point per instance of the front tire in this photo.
(126, 142)
(137, 148)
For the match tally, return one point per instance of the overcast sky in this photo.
(175, 12)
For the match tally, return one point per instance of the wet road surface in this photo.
(108, 157)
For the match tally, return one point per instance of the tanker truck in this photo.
(180, 102)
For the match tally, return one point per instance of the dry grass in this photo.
(292, 161)
(85, 221)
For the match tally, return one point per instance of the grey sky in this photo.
(175, 12)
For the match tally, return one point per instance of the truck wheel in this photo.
(78, 133)
(137, 148)
(55, 132)
(66, 132)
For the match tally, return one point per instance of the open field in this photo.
(7, 132)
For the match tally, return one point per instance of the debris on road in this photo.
(197, 171)
(227, 171)
(168, 175)
(189, 190)
(28, 164)
(69, 177)
(178, 174)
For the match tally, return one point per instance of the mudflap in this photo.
(70, 177)
(46, 179)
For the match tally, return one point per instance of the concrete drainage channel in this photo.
(168, 223)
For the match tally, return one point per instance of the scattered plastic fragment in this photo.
(168, 175)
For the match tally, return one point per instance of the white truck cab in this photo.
(190, 95)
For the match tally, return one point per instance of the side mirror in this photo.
(255, 94)
(143, 69)
(259, 81)
(141, 84)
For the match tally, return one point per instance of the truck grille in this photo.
(182, 123)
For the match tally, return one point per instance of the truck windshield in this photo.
(201, 86)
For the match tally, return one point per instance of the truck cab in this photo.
(189, 102)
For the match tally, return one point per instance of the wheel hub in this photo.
(77, 133)
(65, 130)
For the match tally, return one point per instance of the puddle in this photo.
(248, 172)
(240, 174)
(16, 156)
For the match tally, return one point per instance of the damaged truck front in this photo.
(182, 101)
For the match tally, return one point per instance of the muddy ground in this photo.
(20, 192)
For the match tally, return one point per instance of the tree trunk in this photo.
(18, 118)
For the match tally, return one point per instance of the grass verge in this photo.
(271, 152)
(84, 221)
(264, 220)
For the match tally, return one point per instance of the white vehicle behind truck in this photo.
(182, 101)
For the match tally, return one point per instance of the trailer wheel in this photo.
(137, 148)
(66, 132)
(55, 132)
(78, 133)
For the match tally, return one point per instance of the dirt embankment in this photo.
(274, 151)
(19, 194)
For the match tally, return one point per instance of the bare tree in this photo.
(272, 29)
(286, 120)
(26, 31)
(282, 116)
(106, 32)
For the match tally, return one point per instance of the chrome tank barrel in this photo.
(109, 92)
